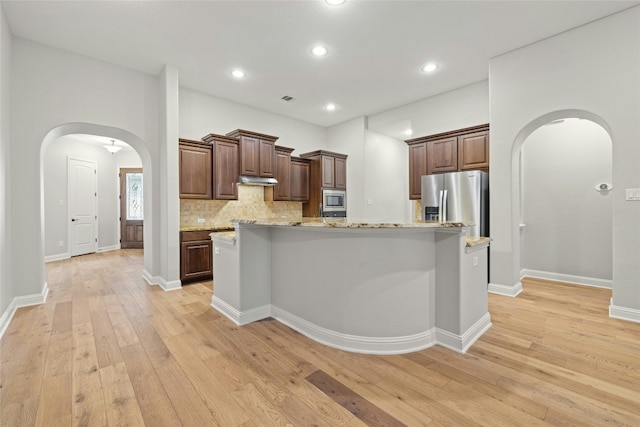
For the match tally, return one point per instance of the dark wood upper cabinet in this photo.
(459, 150)
(340, 173)
(257, 153)
(417, 168)
(299, 179)
(328, 171)
(473, 151)
(194, 164)
(442, 155)
(282, 190)
(225, 166)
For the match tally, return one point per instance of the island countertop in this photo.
(347, 223)
(350, 223)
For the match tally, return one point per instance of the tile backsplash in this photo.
(417, 214)
(250, 205)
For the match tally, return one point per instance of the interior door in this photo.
(83, 228)
(131, 208)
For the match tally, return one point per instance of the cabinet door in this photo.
(282, 191)
(417, 168)
(195, 172)
(196, 261)
(249, 156)
(299, 181)
(442, 155)
(226, 171)
(328, 172)
(473, 151)
(267, 158)
(340, 174)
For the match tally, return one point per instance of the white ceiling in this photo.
(376, 48)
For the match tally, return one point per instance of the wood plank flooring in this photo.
(107, 349)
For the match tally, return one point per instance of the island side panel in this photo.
(362, 282)
(254, 246)
(226, 278)
(462, 314)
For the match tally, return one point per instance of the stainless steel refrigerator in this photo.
(458, 197)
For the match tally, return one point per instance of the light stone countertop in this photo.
(347, 223)
(213, 228)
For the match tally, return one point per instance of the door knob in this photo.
(73, 219)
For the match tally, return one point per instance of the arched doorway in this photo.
(516, 170)
(566, 218)
(151, 254)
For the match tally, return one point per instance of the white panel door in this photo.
(83, 228)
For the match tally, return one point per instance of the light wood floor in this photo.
(108, 349)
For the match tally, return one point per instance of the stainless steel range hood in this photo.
(255, 180)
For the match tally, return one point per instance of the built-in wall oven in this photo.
(334, 203)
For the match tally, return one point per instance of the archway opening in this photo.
(98, 131)
(562, 201)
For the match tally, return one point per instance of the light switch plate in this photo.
(632, 194)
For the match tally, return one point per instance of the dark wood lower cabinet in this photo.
(196, 262)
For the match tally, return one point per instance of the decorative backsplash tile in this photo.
(250, 205)
(417, 214)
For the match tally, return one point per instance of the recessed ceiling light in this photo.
(319, 50)
(238, 73)
(430, 68)
(334, 2)
(330, 107)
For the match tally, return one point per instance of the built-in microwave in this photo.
(334, 203)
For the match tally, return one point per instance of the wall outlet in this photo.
(61, 202)
(200, 220)
(61, 243)
(216, 251)
(474, 261)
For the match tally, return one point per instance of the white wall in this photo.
(56, 222)
(51, 88)
(6, 288)
(386, 171)
(202, 114)
(568, 223)
(456, 109)
(348, 138)
(594, 69)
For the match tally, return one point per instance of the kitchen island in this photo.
(384, 288)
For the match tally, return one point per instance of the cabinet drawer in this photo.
(190, 236)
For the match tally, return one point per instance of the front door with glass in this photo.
(131, 210)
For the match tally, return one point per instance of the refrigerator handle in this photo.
(444, 206)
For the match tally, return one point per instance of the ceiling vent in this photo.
(287, 98)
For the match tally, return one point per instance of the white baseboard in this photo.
(567, 278)
(171, 285)
(461, 343)
(22, 301)
(506, 290)
(152, 280)
(624, 313)
(57, 257)
(354, 343)
(241, 317)
(109, 248)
